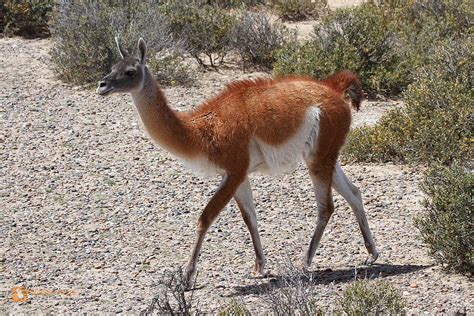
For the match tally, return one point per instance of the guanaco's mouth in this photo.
(104, 88)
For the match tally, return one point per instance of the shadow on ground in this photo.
(327, 276)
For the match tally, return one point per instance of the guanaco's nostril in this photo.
(102, 84)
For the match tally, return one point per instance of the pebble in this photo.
(99, 265)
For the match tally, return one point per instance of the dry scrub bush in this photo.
(173, 297)
(359, 39)
(210, 32)
(292, 294)
(371, 298)
(172, 69)
(83, 34)
(84, 49)
(28, 18)
(297, 10)
(203, 28)
(447, 226)
(83, 46)
(255, 38)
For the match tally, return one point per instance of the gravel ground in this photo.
(89, 204)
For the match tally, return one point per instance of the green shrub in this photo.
(439, 117)
(421, 25)
(27, 18)
(383, 41)
(256, 38)
(435, 125)
(204, 29)
(380, 143)
(359, 39)
(296, 10)
(447, 227)
(435, 41)
(442, 18)
(371, 298)
(83, 35)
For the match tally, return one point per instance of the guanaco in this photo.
(265, 125)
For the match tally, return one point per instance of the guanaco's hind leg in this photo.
(224, 193)
(321, 176)
(352, 195)
(243, 197)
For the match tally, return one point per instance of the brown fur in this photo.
(271, 110)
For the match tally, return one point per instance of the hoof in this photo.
(192, 286)
(260, 274)
(187, 285)
(189, 279)
(371, 259)
(302, 266)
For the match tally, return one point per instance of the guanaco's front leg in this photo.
(224, 193)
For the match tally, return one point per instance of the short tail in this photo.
(346, 82)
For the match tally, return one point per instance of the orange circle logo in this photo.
(19, 294)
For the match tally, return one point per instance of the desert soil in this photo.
(89, 204)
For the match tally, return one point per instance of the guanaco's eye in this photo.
(129, 73)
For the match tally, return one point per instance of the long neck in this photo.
(163, 124)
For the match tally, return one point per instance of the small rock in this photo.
(99, 265)
(414, 285)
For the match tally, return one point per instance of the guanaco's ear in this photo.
(123, 52)
(141, 50)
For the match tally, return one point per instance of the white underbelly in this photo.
(201, 165)
(270, 159)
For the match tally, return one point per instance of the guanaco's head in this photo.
(127, 74)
